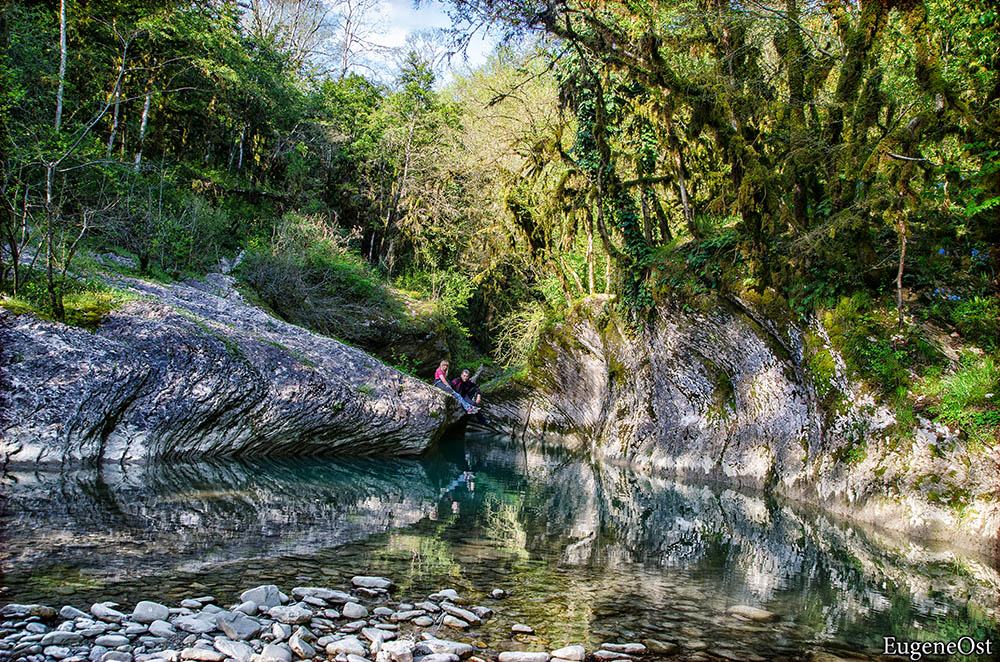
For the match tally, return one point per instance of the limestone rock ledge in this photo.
(193, 371)
(726, 396)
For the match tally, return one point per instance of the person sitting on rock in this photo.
(469, 390)
(465, 387)
(441, 381)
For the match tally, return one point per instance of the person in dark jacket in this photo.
(469, 391)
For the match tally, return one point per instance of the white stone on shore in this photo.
(236, 650)
(427, 606)
(605, 655)
(189, 603)
(147, 612)
(574, 653)
(437, 657)
(353, 610)
(447, 594)
(293, 614)
(443, 646)
(266, 595)
(249, 607)
(57, 652)
(202, 655)
(400, 650)
(112, 640)
(70, 613)
(357, 658)
(523, 656)
(274, 653)
(161, 629)
(196, 624)
(630, 648)
(423, 621)
(371, 582)
(348, 645)
(521, 628)
(453, 622)
(463, 614)
(300, 647)
(103, 612)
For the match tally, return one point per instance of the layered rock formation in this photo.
(193, 371)
(723, 396)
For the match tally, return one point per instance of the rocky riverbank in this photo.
(729, 395)
(362, 623)
(191, 370)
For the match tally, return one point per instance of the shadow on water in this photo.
(589, 553)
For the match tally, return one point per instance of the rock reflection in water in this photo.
(177, 516)
(589, 553)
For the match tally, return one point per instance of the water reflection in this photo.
(588, 553)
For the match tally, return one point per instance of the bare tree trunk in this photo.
(590, 252)
(62, 64)
(899, 273)
(142, 127)
(607, 274)
(116, 104)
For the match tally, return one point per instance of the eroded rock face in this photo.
(195, 372)
(718, 395)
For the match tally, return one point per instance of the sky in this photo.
(397, 19)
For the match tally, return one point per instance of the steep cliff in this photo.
(725, 395)
(193, 371)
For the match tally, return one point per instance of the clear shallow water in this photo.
(589, 554)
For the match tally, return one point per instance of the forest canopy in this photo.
(654, 151)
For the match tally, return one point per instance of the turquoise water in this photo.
(588, 554)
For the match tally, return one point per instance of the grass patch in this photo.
(86, 302)
(968, 397)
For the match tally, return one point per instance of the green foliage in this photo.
(873, 347)
(86, 302)
(969, 397)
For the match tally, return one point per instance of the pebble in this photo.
(71, 613)
(463, 614)
(237, 625)
(353, 610)
(498, 594)
(574, 653)
(630, 649)
(300, 647)
(428, 606)
(112, 640)
(57, 652)
(103, 612)
(61, 638)
(454, 622)
(267, 595)
(196, 624)
(611, 655)
(521, 628)
(190, 604)
(147, 612)
(116, 656)
(293, 615)
(202, 655)
(447, 594)
(274, 653)
(523, 656)
(752, 613)
(357, 658)
(423, 621)
(443, 646)
(348, 645)
(161, 629)
(658, 647)
(437, 657)
(364, 581)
